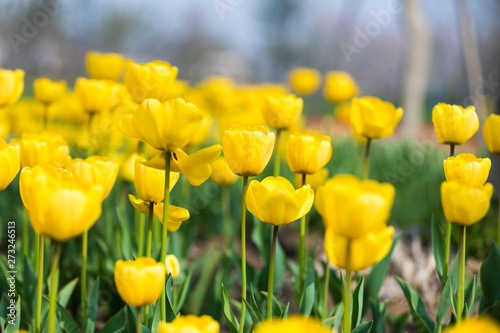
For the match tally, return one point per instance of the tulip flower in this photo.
(43, 148)
(483, 323)
(11, 86)
(221, 173)
(339, 87)
(105, 66)
(453, 124)
(293, 323)
(47, 91)
(304, 81)
(282, 111)
(467, 168)
(94, 95)
(10, 161)
(150, 182)
(491, 133)
(151, 80)
(191, 324)
(172, 266)
(307, 153)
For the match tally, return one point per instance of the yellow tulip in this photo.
(467, 168)
(176, 215)
(491, 133)
(105, 66)
(48, 91)
(94, 95)
(351, 207)
(10, 161)
(172, 266)
(374, 118)
(315, 180)
(339, 87)
(151, 80)
(95, 170)
(484, 324)
(59, 205)
(190, 324)
(275, 201)
(366, 250)
(43, 148)
(221, 174)
(465, 204)
(282, 111)
(304, 81)
(139, 282)
(166, 126)
(453, 124)
(307, 153)
(292, 324)
(11, 86)
(247, 149)
(150, 182)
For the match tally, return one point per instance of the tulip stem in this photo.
(226, 217)
(326, 290)
(39, 285)
(25, 232)
(148, 250)
(346, 325)
(84, 275)
(277, 161)
(461, 275)
(367, 158)
(164, 230)
(54, 280)
(243, 255)
(498, 225)
(302, 245)
(139, 326)
(452, 150)
(140, 233)
(271, 275)
(446, 254)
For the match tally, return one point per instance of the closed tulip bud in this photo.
(467, 168)
(275, 201)
(295, 323)
(59, 205)
(304, 81)
(172, 266)
(221, 174)
(247, 149)
(165, 126)
(453, 124)
(43, 148)
(94, 95)
(307, 153)
(483, 324)
(351, 207)
(139, 282)
(191, 324)
(491, 133)
(465, 204)
(374, 118)
(10, 161)
(282, 111)
(48, 91)
(315, 180)
(366, 250)
(151, 80)
(95, 170)
(11, 86)
(105, 66)
(150, 183)
(339, 87)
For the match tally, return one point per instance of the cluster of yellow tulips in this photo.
(151, 127)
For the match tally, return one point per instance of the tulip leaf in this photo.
(92, 305)
(156, 317)
(254, 305)
(278, 306)
(490, 283)
(472, 291)
(183, 292)
(125, 233)
(251, 312)
(29, 288)
(339, 313)
(444, 303)
(66, 322)
(328, 322)
(494, 310)
(116, 323)
(231, 321)
(284, 314)
(423, 323)
(357, 305)
(17, 320)
(379, 311)
(438, 247)
(397, 323)
(308, 295)
(363, 328)
(454, 275)
(65, 293)
(168, 290)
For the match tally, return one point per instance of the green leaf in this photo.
(423, 323)
(444, 303)
(253, 315)
(231, 321)
(284, 314)
(490, 271)
(66, 322)
(65, 293)
(168, 291)
(125, 232)
(278, 306)
(156, 317)
(379, 311)
(472, 291)
(363, 328)
(339, 312)
(17, 320)
(116, 323)
(336, 287)
(357, 305)
(397, 323)
(307, 300)
(438, 247)
(183, 292)
(254, 305)
(494, 311)
(454, 275)
(29, 288)
(92, 305)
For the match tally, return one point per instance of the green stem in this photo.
(439, 328)
(277, 160)
(270, 280)
(326, 290)
(498, 225)
(367, 158)
(243, 255)
(226, 217)
(446, 254)
(83, 288)
(164, 230)
(302, 247)
(139, 326)
(148, 250)
(39, 285)
(26, 233)
(54, 280)
(139, 222)
(452, 150)
(461, 275)
(346, 326)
